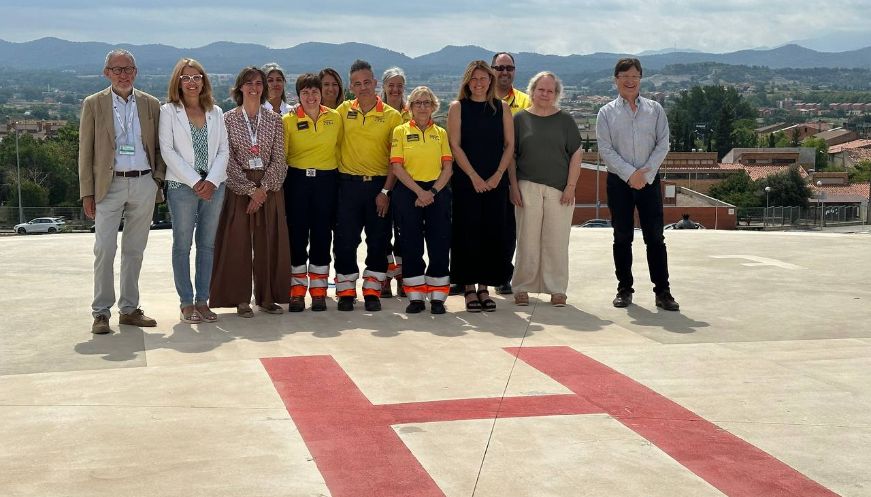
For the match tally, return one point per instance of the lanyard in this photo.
(129, 109)
(252, 134)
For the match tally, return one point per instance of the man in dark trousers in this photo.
(632, 134)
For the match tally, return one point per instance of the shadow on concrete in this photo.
(674, 322)
(392, 321)
(123, 345)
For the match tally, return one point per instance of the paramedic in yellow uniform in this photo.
(365, 184)
(421, 158)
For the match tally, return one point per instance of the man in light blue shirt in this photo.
(632, 133)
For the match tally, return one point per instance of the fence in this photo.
(808, 217)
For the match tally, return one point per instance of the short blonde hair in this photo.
(174, 93)
(424, 90)
(558, 85)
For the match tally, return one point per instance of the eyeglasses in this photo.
(504, 68)
(118, 70)
(196, 78)
(630, 78)
(422, 103)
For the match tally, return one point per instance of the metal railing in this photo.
(808, 217)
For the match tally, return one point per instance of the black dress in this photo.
(480, 220)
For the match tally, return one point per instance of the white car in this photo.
(40, 225)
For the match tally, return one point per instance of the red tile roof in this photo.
(855, 192)
(836, 149)
(757, 172)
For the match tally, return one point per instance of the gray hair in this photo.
(558, 85)
(116, 52)
(392, 73)
(274, 67)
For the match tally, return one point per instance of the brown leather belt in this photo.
(132, 174)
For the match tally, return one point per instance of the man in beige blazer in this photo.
(120, 174)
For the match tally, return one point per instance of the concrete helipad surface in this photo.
(761, 386)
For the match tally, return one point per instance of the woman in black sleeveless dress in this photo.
(481, 133)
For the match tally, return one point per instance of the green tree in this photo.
(861, 173)
(711, 117)
(788, 188)
(772, 141)
(822, 151)
(32, 195)
(737, 189)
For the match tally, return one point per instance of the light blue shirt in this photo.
(128, 131)
(628, 140)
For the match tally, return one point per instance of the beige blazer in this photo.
(97, 142)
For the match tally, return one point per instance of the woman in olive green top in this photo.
(548, 158)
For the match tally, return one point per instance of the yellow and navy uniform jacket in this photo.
(517, 100)
(365, 145)
(309, 144)
(420, 151)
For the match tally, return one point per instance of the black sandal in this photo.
(487, 304)
(472, 305)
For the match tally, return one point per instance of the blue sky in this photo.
(544, 26)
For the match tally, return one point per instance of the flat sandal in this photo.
(473, 305)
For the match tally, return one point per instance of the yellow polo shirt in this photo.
(420, 151)
(365, 144)
(406, 115)
(309, 144)
(517, 101)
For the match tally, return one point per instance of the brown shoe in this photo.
(273, 308)
(244, 310)
(101, 325)
(558, 300)
(137, 318)
(520, 298)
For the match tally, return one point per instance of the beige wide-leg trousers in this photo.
(543, 227)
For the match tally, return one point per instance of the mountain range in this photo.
(229, 57)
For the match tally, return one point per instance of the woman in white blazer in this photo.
(194, 145)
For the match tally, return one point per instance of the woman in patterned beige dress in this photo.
(253, 216)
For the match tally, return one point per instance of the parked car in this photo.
(162, 224)
(597, 223)
(120, 226)
(40, 225)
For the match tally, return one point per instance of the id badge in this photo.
(255, 163)
(126, 150)
(311, 173)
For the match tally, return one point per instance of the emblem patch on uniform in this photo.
(352, 114)
(434, 137)
(302, 125)
(412, 138)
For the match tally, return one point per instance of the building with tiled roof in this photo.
(849, 154)
(836, 149)
(803, 156)
(837, 136)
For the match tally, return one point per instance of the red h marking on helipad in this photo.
(360, 455)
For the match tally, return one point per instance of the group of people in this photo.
(271, 193)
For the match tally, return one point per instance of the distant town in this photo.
(727, 122)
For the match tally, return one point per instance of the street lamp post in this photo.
(765, 216)
(597, 185)
(822, 205)
(18, 166)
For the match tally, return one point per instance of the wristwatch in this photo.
(385, 191)
(434, 190)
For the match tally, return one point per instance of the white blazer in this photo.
(177, 148)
